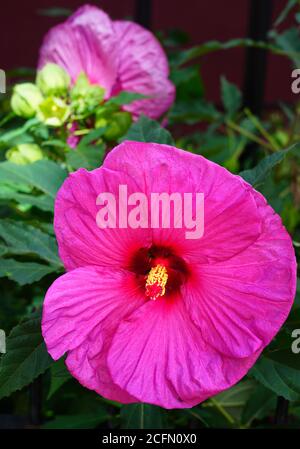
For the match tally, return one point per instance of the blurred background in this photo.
(198, 21)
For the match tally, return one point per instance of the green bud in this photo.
(53, 80)
(25, 153)
(281, 137)
(85, 97)
(118, 125)
(26, 99)
(101, 122)
(53, 111)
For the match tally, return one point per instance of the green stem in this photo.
(222, 410)
(261, 129)
(249, 135)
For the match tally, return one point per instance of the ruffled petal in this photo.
(159, 356)
(81, 241)
(241, 303)
(81, 311)
(143, 68)
(85, 42)
(231, 219)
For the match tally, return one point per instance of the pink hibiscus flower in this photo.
(117, 55)
(219, 300)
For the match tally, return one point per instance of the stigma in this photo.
(156, 282)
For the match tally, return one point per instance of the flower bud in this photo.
(53, 111)
(85, 97)
(53, 80)
(26, 99)
(25, 153)
(118, 124)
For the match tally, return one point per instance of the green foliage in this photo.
(263, 150)
(142, 416)
(45, 176)
(231, 97)
(147, 130)
(26, 356)
(24, 272)
(257, 175)
(281, 379)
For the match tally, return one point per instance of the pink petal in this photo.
(143, 69)
(85, 42)
(159, 356)
(81, 311)
(241, 303)
(231, 219)
(81, 242)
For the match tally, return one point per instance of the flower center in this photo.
(159, 271)
(156, 282)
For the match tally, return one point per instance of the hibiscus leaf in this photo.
(21, 238)
(231, 96)
(24, 272)
(288, 7)
(42, 202)
(10, 135)
(257, 175)
(261, 402)
(147, 130)
(44, 175)
(281, 379)
(59, 376)
(82, 421)
(212, 46)
(92, 136)
(26, 356)
(142, 416)
(55, 12)
(125, 98)
(89, 157)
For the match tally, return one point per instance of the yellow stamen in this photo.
(156, 282)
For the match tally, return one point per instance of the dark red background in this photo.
(22, 29)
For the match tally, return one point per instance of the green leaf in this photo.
(83, 421)
(125, 98)
(59, 376)
(55, 12)
(259, 405)
(288, 7)
(90, 157)
(212, 46)
(13, 134)
(142, 416)
(42, 202)
(257, 175)
(289, 43)
(24, 272)
(194, 111)
(21, 238)
(92, 136)
(233, 400)
(44, 175)
(231, 96)
(26, 356)
(147, 130)
(283, 380)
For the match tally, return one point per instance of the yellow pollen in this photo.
(156, 282)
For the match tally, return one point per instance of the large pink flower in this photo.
(219, 301)
(118, 55)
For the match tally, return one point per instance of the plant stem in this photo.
(222, 410)
(249, 135)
